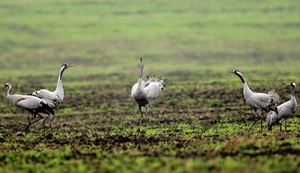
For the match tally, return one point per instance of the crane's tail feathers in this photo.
(153, 79)
(159, 81)
(47, 108)
(163, 82)
(275, 96)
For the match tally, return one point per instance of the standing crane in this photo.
(56, 97)
(285, 110)
(259, 102)
(31, 105)
(144, 92)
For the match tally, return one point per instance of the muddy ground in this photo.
(204, 124)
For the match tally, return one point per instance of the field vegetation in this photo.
(198, 124)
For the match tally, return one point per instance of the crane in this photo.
(31, 105)
(259, 102)
(285, 110)
(56, 97)
(144, 92)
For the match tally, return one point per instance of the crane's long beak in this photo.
(231, 71)
(4, 87)
(70, 65)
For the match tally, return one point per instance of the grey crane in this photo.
(31, 105)
(259, 102)
(56, 97)
(285, 110)
(144, 92)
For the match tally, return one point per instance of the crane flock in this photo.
(145, 91)
(30, 104)
(41, 101)
(259, 102)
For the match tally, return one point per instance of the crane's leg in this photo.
(261, 125)
(280, 126)
(44, 124)
(252, 125)
(140, 108)
(28, 126)
(285, 125)
(39, 118)
(50, 122)
(146, 107)
(256, 119)
(30, 123)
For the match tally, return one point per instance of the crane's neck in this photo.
(140, 87)
(8, 96)
(293, 98)
(241, 77)
(142, 70)
(59, 86)
(246, 90)
(7, 92)
(293, 92)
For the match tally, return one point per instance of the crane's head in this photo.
(236, 72)
(6, 84)
(271, 119)
(239, 74)
(65, 66)
(293, 85)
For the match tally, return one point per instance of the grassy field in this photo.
(198, 124)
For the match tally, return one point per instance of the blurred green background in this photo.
(108, 37)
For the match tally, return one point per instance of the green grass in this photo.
(200, 121)
(110, 36)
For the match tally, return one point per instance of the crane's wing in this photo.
(29, 103)
(43, 93)
(286, 109)
(52, 103)
(153, 90)
(275, 96)
(260, 101)
(48, 95)
(133, 89)
(262, 98)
